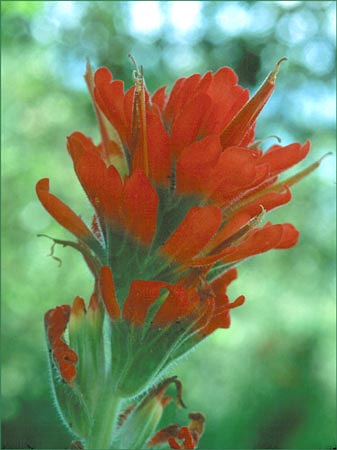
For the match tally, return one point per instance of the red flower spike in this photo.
(194, 232)
(108, 293)
(195, 150)
(242, 123)
(61, 212)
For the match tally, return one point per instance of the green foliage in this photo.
(268, 381)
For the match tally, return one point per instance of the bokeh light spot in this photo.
(185, 16)
(146, 17)
(319, 56)
(233, 18)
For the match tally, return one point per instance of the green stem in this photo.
(105, 420)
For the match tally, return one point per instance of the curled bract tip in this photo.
(280, 61)
(274, 73)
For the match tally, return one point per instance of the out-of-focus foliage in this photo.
(268, 381)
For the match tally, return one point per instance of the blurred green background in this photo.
(268, 381)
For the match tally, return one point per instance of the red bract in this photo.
(56, 321)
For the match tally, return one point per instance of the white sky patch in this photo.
(233, 18)
(146, 17)
(184, 16)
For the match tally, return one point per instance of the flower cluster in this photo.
(179, 188)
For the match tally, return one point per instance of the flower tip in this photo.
(42, 185)
(78, 307)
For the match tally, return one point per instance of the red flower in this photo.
(179, 187)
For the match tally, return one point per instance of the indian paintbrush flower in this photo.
(179, 187)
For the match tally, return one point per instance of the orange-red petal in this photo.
(196, 163)
(289, 236)
(158, 149)
(140, 202)
(268, 201)
(61, 212)
(159, 98)
(186, 125)
(182, 91)
(109, 95)
(264, 239)
(235, 170)
(194, 232)
(282, 158)
(102, 184)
